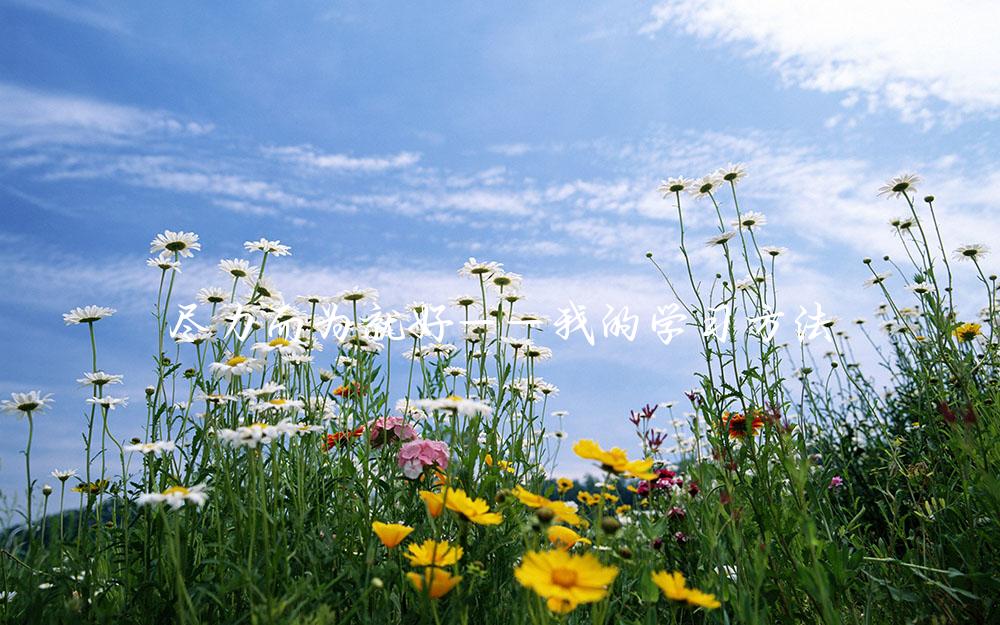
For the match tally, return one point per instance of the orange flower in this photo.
(437, 582)
(736, 423)
(434, 501)
(391, 534)
(350, 389)
(340, 438)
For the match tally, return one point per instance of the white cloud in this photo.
(73, 12)
(33, 117)
(308, 156)
(928, 60)
(511, 149)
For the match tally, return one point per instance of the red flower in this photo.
(341, 438)
(736, 423)
(351, 389)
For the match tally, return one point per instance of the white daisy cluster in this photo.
(155, 448)
(176, 497)
(453, 404)
(257, 434)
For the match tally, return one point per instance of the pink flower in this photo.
(390, 429)
(418, 454)
(836, 482)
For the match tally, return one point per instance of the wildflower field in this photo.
(279, 479)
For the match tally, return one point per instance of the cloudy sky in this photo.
(388, 142)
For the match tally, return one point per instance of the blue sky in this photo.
(388, 142)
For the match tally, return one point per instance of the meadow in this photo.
(279, 480)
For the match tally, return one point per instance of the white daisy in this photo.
(772, 250)
(63, 474)
(274, 248)
(176, 497)
(905, 183)
(675, 185)
(454, 371)
(211, 295)
(87, 314)
(215, 398)
(971, 252)
(266, 288)
(720, 239)
(920, 288)
(732, 173)
(278, 403)
(749, 220)
(24, 403)
(454, 404)
(357, 294)
(441, 349)
(237, 268)
(314, 300)
(156, 448)
(506, 280)
(464, 301)
(236, 366)
(280, 344)
(878, 278)
(165, 262)
(180, 243)
(531, 319)
(537, 352)
(108, 402)
(705, 185)
(99, 378)
(194, 338)
(475, 268)
(269, 388)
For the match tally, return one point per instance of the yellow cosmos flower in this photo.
(565, 580)
(475, 510)
(674, 586)
(563, 511)
(564, 484)
(615, 460)
(436, 582)
(588, 499)
(530, 499)
(967, 332)
(564, 538)
(433, 553)
(434, 501)
(391, 534)
(622, 509)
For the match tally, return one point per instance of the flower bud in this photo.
(46, 490)
(610, 525)
(545, 515)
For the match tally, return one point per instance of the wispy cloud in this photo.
(74, 12)
(31, 117)
(929, 61)
(310, 157)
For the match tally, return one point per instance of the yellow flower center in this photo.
(236, 360)
(280, 342)
(176, 490)
(277, 402)
(564, 577)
